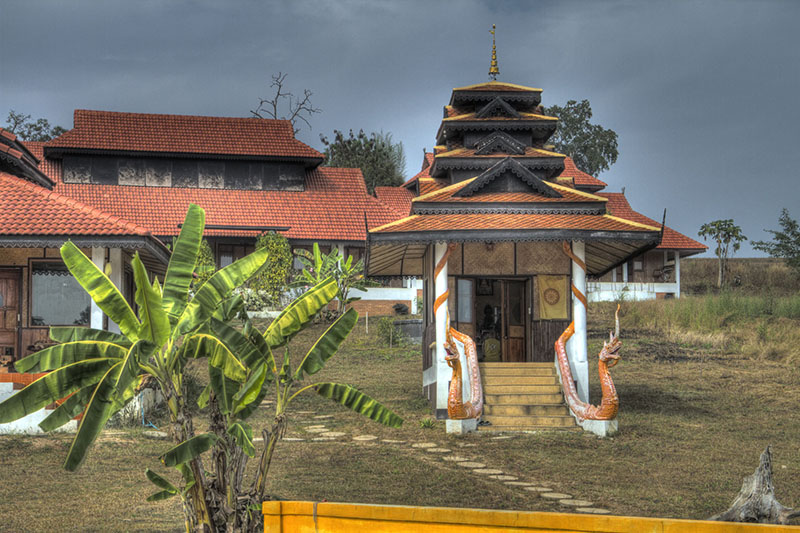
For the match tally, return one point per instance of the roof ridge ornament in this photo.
(493, 69)
(508, 164)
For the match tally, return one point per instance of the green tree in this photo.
(785, 244)
(591, 146)
(102, 370)
(382, 161)
(274, 277)
(28, 129)
(206, 264)
(728, 237)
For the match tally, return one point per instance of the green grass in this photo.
(694, 418)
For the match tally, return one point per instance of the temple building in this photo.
(506, 234)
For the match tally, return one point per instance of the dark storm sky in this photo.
(703, 95)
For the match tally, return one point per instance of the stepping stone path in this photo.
(456, 458)
(317, 430)
(503, 477)
(390, 441)
(323, 417)
(471, 464)
(490, 471)
(304, 412)
(292, 439)
(322, 438)
(332, 434)
(539, 489)
(555, 495)
(593, 510)
(438, 450)
(501, 437)
(424, 445)
(519, 483)
(576, 503)
(153, 434)
(364, 437)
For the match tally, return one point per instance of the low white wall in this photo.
(607, 291)
(390, 293)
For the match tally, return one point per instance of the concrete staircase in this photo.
(523, 397)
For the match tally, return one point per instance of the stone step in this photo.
(520, 380)
(528, 421)
(490, 388)
(516, 365)
(494, 371)
(526, 399)
(526, 410)
(527, 428)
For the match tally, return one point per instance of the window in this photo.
(465, 300)
(228, 253)
(56, 297)
(638, 264)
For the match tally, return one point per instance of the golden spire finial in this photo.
(493, 70)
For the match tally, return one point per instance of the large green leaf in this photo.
(68, 410)
(112, 392)
(299, 313)
(251, 407)
(80, 333)
(229, 308)
(182, 263)
(251, 388)
(54, 386)
(237, 343)
(155, 322)
(327, 345)
(161, 495)
(189, 449)
(224, 389)
(359, 402)
(101, 289)
(70, 352)
(160, 481)
(242, 433)
(218, 288)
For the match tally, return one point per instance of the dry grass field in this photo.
(696, 412)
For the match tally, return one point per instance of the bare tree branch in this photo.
(286, 106)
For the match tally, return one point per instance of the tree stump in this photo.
(756, 501)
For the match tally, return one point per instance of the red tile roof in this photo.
(567, 195)
(334, 206)
(425, 172)
(144, 132)
(484, 221)
(618, 206)
(396, 198)
(28, 209)
(581, 178)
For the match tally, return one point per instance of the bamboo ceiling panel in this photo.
(485, 259)
(541, 258)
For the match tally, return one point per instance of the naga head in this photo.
(609, 354)
(450, 344)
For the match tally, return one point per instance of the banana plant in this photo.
(99, 372)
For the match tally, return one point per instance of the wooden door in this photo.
(514, 318)
(9, 315)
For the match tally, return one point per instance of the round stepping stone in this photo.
(364, 437)
(539, 489)
(322, 438)
(260, 439)
(438, 450)
(154, 434)
(391, 441)
(317, 430)
(501, 437)
(424, 445)
(456, 458)
(487, 471)
(304, 412)
(555, 496)
(292, 439)
(323, 417)
(471, 464)
(593, 510)
(519, 483)
(465, 445)
(576, 503)
(503, 477)
(332, 434)
(315, 426)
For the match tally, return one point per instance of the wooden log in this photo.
(756, 501)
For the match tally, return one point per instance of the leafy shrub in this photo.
(388, 333)
(271, 281)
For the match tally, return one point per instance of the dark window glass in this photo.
(56, 297)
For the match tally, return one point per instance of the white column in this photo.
(115, 260)
(443, 372)
(677, 274)
(614, 275)
(99, 259)
(577, 348)
(625, 272)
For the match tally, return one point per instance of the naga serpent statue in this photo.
(457, 409)
(608, 357)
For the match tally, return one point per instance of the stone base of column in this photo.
(601, 428)
(462, 427)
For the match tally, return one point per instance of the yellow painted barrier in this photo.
(309, 517)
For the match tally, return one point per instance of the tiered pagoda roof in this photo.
(492, 179)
